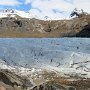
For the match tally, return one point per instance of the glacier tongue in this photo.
(68, 55)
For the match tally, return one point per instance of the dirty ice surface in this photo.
(67, 55)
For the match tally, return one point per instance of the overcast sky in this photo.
(50, 8)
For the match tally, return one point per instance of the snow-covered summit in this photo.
(14, 13)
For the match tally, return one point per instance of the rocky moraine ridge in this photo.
(24, 27)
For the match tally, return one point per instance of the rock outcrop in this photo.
(53, 86)
(11, 81)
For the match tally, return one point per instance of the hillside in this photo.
(31, 27)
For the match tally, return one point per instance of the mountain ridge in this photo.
(15, 23)
(35, 28)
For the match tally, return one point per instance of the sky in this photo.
(53, 9)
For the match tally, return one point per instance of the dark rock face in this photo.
(12, 81)
(85, 32)
(21, 27)
(52, 86)
(5, 79)
(18, 23)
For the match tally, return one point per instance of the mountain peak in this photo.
(9, 11)
(13, 13)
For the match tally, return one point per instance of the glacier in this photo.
(66, 55)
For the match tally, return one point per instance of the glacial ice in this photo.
(67, 55)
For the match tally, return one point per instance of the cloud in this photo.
(28, 1)
(56, 9)
(83, 4)
(9, 2)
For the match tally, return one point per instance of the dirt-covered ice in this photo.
(67, 55)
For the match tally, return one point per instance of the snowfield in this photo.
(15, 13)
(70, 56)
